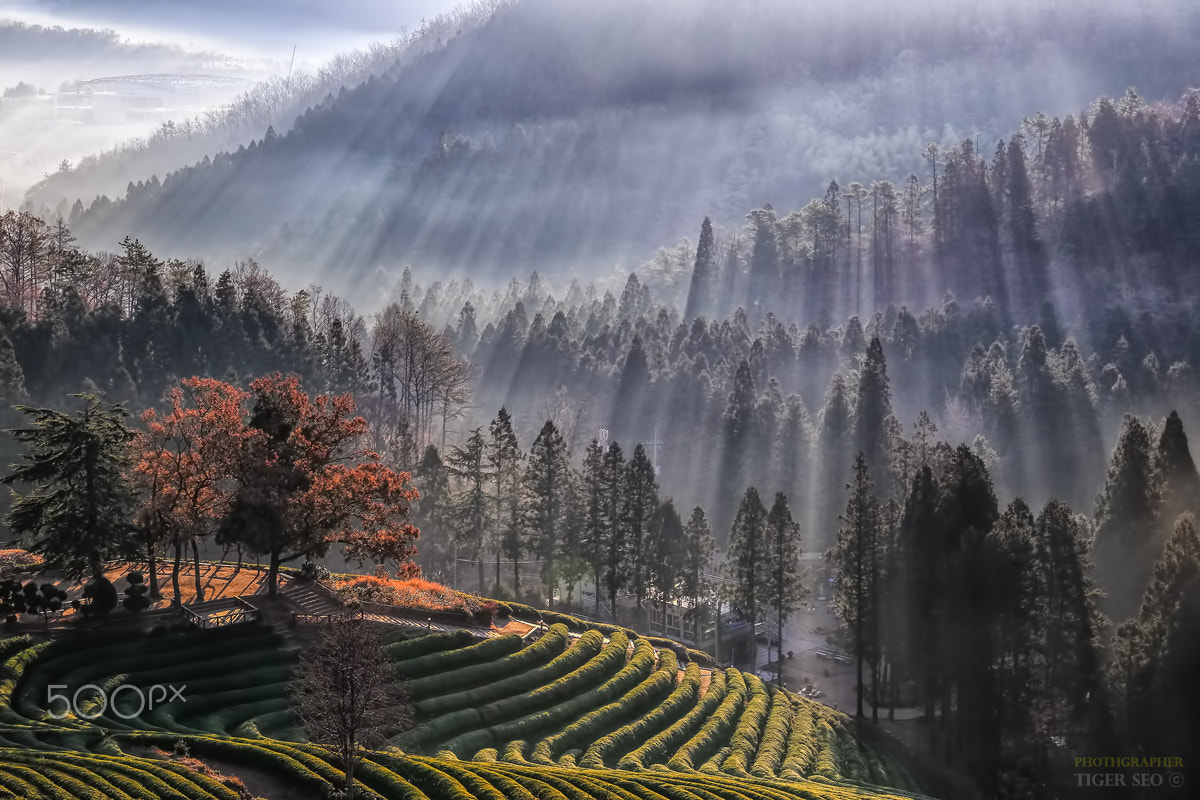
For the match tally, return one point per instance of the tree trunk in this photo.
(196, 571)
(273, 576)
(482, 577)
(893, 690)
(175, 570)
(779, 649)
(516, 580)
(152, 568)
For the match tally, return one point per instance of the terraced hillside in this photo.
(564, 717)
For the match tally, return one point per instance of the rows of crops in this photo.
(503, 719)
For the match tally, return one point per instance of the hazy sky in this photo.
(256, 28)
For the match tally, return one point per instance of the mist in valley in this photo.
(927, 272)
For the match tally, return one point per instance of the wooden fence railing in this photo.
(243, 612)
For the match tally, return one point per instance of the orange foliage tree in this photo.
(185, 459)
(273, 469)
(304, 480)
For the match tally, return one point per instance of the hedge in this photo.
(514, 751)
(774, 742)
(717, 727)
(681, 729)
(438, 664)
(429, 643)
(566, 698)
(386, 782)
(429, 779)
(801, 754)
(646, 694)
(492, 674)
(641, 729)
(481, 714)
(564, 787)
(744, 742)
(522, 786)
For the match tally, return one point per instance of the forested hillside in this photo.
(596, 139)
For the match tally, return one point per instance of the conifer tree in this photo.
(78, 502)
(784, 591)
(1126, 521)
(639, 504)
(504, 459)
(1180, 482)
(612, 499)
(699, 549)
(857, 564)
(471, 504)
(745, 563)
(595, 530)
(434, 513)
(666, 554)
(872, 407)
(545, 500)
(702, 291)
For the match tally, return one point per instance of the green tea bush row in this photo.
(252, 753)
(566, 699)
(594, 788)
(430, 779)
(516, 700)
(429, 643)
(744, 743)
(801, 755)
(121, 780)
(162, 780)
(495, 659)
(519, 786)
(41, 784)
(681, 730)
(489, 680)
(646, 694)
(514, 751)
(612, 657)
(14, 668)
(716, 728)
(12, 645)
(479, 782)
(556, 780)
(849, 754)
(625, 738)
(463, 655)
(385, 782)
(773, 747)
(713, 764)
(826, 764)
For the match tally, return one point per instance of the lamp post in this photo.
(429, 624)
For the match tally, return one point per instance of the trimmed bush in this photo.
(429, 643)
(443, 669)
(744, 743)
(682, 697)
(774, 742)
(801, 754)
(680, 731)
(488, 679)
(647, 694)
(708, 739)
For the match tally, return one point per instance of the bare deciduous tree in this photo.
(346, 693)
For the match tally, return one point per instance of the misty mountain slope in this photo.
(274, 102)
(566, 136)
